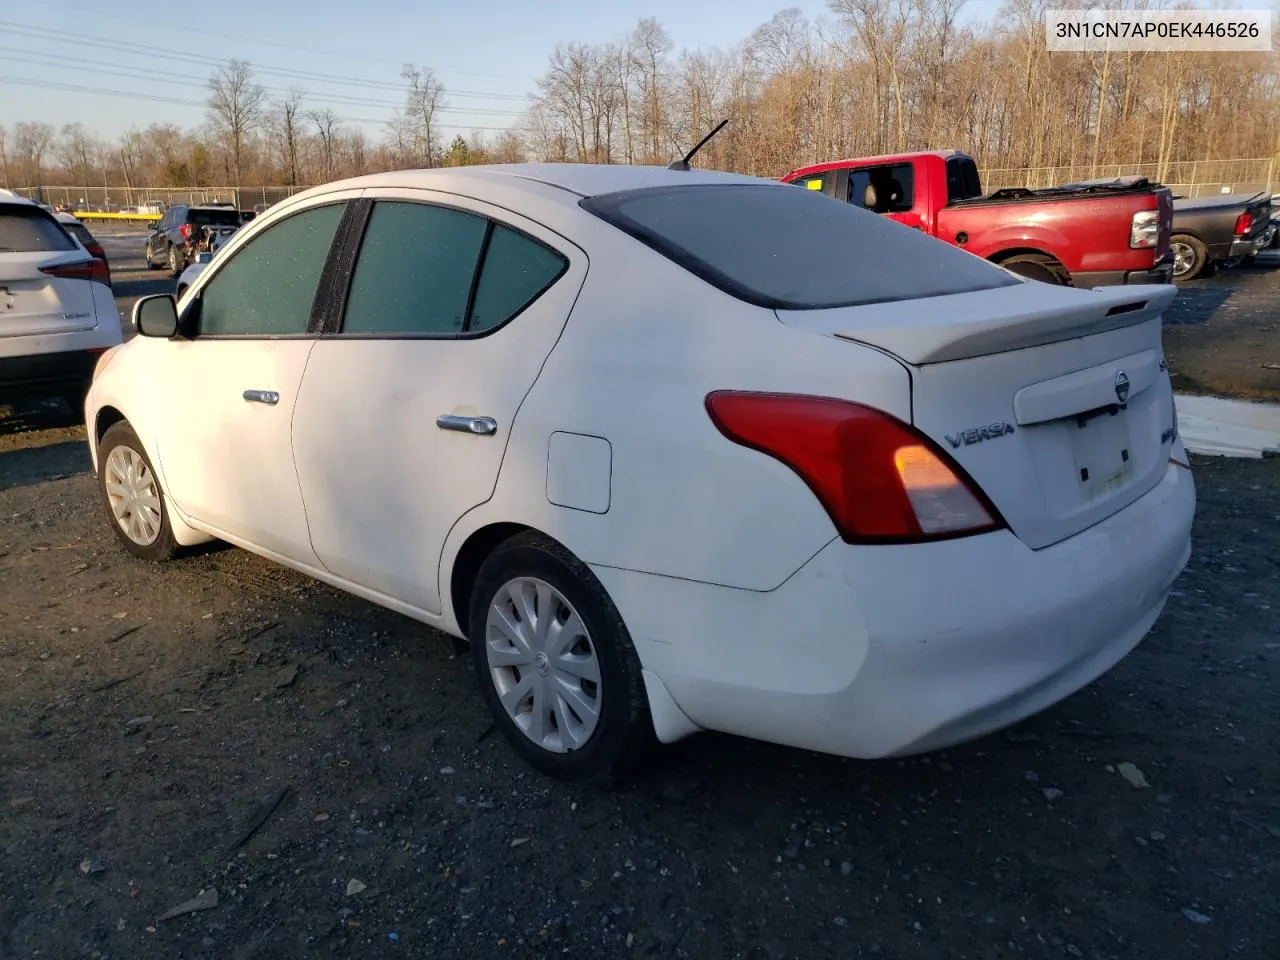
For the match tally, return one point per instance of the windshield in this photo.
(774, 246)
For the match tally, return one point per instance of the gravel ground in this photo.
(320, 776)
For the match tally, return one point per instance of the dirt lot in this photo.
(325, 771)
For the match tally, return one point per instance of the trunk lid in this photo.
(33, 302)
(1055, 401)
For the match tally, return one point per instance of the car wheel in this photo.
(556, 664)
(176, 264)
(151, 264)
(132, 495)
(1037, 267)
(1189, 257)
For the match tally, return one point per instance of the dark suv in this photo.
(184, 231)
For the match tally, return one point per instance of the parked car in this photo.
(1208, 231)
(78, 230)
(189, 275)
(57, 314)
(184, 231)
(1107, 232)
(808, 476)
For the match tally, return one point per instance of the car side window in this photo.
(516, 271)
(815, 181)
(415, 270)
(886, 189)
(268, 286)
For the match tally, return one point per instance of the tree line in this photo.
(871, 77)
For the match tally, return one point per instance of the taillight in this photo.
(879, 479)
(1144, 231)
(94, 269)
(185, 230)
(1244, 223)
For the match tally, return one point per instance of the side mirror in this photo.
(156, 316)
(203, 256)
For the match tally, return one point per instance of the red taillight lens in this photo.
(880, 480)
(186, 231)
(1244, 223)
(95, 270)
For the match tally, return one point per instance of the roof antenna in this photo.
(683, 164)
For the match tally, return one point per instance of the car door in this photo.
(172, 234)
(405, 411)
(233, 379)
(157, 231)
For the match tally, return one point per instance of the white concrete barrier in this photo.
(1229, 428)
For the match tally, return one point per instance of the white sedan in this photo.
(674, 450)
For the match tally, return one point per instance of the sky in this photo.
(120, 64)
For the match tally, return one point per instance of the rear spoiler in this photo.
(961, 326)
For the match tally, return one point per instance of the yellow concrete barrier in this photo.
(132, 217)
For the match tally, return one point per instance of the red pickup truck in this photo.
(1084, 235)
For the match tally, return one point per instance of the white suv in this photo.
(57, 312)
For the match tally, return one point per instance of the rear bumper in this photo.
(1160, 273)
(48, 372)
(1249, 246)
(881, 651)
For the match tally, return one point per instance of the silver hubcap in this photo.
(1183, 258)
(173, 258)
(543, 664)
(133, 495)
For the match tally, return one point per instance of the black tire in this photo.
(1035, 266)
(151, 264)
(177, 262)
(163, 547)
(1197, 263)
(1247, 261)
(624, 733)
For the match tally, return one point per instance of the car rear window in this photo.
(214, 218)
(31, 230)
(789, 249)
(80, 232)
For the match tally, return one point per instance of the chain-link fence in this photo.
(153, 199)
(1190, 178)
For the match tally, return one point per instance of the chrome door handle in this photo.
(269, 397)
(484, 426)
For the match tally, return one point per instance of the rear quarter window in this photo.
(31, 230)
(774, 246)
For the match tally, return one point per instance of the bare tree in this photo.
(398, 141)
(235, 108)
(285, 121)
(4, 156)
(508, 148)
(31, 143)
(650, 44)
(73, 149)
(423, 102)
(880, 76)
(326, 121)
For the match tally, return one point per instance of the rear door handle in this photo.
(269, 397)
(484, 426)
